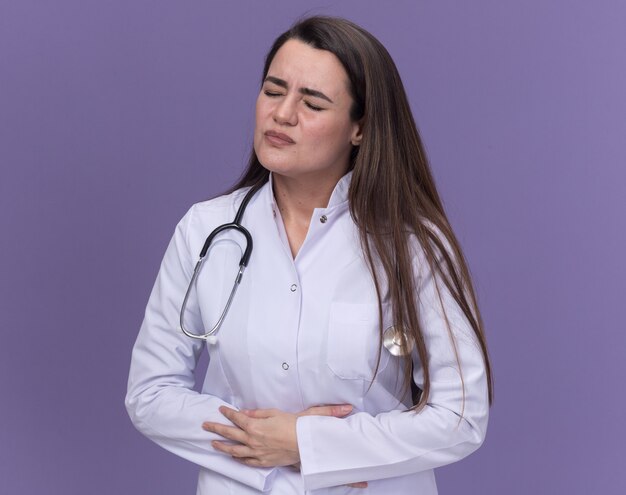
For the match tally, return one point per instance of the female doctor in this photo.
(352, 358)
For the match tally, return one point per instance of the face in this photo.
(303, 125)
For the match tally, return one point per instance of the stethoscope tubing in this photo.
(243, 263)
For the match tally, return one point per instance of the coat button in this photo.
(323, 218)
(285, 366)
(294, 287)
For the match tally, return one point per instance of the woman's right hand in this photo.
(335, 410)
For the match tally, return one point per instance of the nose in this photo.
(285, 112)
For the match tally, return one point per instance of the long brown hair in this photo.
(392, 193)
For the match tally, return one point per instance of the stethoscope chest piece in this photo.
(393, 340)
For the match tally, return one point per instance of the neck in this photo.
(298, 197)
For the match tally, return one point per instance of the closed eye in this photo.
(313, 107)
(274, 94)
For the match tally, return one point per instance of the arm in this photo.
(365, 447)
(160, 400)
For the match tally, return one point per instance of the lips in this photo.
(279, 137)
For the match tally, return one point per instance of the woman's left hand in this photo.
(264, 437)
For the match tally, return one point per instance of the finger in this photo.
(237, 418)
(337, 410)
(229, 432)
(252, 462)
(260, 413)
(236, 450)
(359, 484)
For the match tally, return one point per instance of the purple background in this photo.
(115, 116)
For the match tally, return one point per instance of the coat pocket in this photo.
(354, 340)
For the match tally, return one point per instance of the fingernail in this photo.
(206, 426)
(346, 409)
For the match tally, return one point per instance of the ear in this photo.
(357, 133)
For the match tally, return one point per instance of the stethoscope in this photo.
(235, 225)
(393, 337)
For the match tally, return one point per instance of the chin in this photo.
(277, 169)
(275, 164)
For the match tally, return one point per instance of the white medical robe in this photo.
(301, 332)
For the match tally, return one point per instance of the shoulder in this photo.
(204, 216)
(219, 208)
(218, 204)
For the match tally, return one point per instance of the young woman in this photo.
(352, 357)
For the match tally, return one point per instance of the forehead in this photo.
(302, 65)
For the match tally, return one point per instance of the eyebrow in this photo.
(305, 91)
